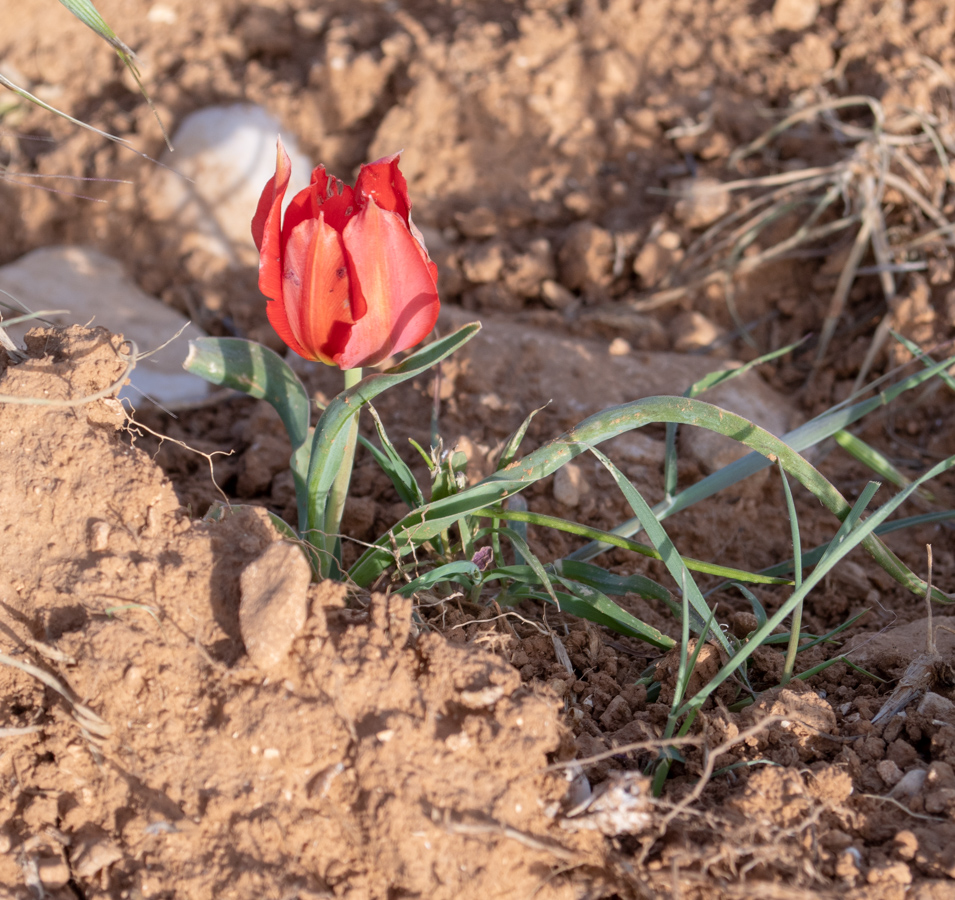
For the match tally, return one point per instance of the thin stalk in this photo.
(795, 632)
(339, 491)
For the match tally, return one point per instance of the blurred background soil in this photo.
(554, 152)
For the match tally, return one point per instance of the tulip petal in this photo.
(316, 290)
(381, 182)
(324, 194)
(267, 226)
(391, 273)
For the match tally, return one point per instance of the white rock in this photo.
(96, 291)
(229, 153)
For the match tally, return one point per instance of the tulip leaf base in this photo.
(319, 454)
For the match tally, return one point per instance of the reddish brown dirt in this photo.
(403, 752)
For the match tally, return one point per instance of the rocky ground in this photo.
(567, 161)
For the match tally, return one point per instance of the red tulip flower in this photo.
(347, 273)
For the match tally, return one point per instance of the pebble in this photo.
(691, 330)
(909, 784)
(228, 152)
(569, 485)
(96, 290)
(889, 772)
(274, 603)
(483, 263)
(619, 347)
(527, 271)
(794, 15)
(702, 201)
(53, 872)
(937, 707)
(657, 257)
(555, 295)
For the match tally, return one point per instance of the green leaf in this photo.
(89, 16)
(608, 583)
(695, 565)
(393, 465)
(664, 546)
(808, 435)
(835, 552)
(589, 603)
(924, 358)
(423, 524)
(706, 383)
(873, 459)
(323, 465)
(514, 441)
(461, 571)
(758, 609)
(260, 373)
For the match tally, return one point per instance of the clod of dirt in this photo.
(804, 733)
(274, 603)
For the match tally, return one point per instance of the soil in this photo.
(434, 748)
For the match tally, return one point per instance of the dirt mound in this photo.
(380, 758)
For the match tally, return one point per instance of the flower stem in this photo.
(339, 492)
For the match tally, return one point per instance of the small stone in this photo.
(652, 264)
(909, 784)
(890, 873)
(937, 707)
(692, 330)
(619, 347)
(98, 536)
(616, 715)
(526, 272)
(794, 15)
(480, 222)
(906, 844)
(53, 872)
(569, 485)
(670, 240)
(268, 455)
(702, 201)
(274, 604)
(556, 296)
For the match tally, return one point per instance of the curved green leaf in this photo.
(323, 465)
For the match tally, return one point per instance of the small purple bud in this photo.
(483, 558)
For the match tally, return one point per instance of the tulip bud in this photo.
(347, 274)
